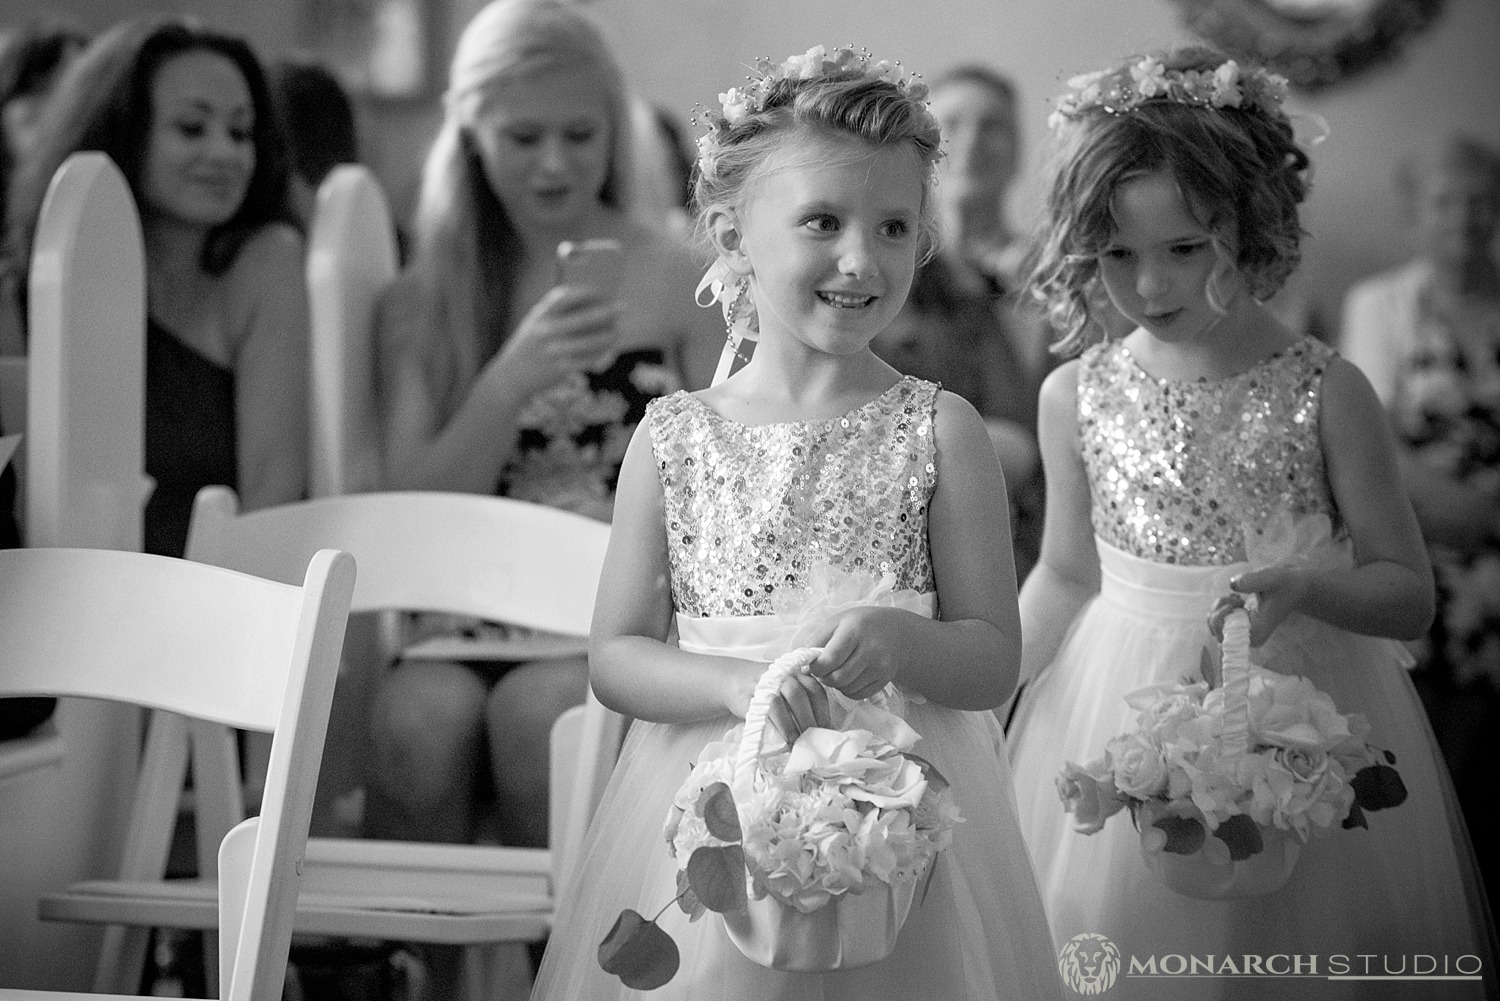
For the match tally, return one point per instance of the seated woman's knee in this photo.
(426, 725)
(530, 697)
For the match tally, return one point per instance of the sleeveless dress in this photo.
(751, 513)
(570, 441)
(1177, 471)
(190, 435)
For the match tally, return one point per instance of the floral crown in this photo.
(1125, 88)
(817, 63)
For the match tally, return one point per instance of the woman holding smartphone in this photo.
(505, 369)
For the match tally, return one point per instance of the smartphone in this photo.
(596, 265)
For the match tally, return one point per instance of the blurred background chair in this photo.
(351, 257)
(140, 630)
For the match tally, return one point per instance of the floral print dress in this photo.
(1447, 411)
(573, 436)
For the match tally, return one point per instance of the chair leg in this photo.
(122, 960)
(497, 972)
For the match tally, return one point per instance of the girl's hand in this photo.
(1278, 591)
(801, 703)
(568, 330)
(861, 652)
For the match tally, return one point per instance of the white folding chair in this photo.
(79, 395)
(86, 363)
(13, 394)
(351, 257)
(212, 644)
(489, 557)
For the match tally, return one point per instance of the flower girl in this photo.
(749, 513)
(1212, 452)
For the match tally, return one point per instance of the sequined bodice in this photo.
(1178, 470)
(749, 510)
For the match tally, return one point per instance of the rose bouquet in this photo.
(1225, 784)
(811, 853)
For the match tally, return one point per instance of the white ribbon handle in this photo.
(1236, 681)
(756, 716)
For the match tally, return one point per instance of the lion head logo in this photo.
(1089, 963)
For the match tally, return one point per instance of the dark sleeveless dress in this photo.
(191, 435)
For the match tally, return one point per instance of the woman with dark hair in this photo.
(31, 61)
(32, 58)
(186, 114)
(319, 119)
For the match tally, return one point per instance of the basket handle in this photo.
(1236, 682)
(759, 712)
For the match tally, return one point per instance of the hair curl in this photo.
(1241, 174)
(872, 110)
(104, 103)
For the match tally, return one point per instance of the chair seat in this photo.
(399, 891)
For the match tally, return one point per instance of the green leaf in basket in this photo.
(1242, 835)
(687, 899)
(716, 807)
(717, 875)
(1356, 818)
(638, 952)
(1184, 834)
(1378, 787)
(1208, 666)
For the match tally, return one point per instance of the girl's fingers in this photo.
(837, 649)
(805, 701)
(817, 700)
(781, 718)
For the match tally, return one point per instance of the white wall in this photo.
(679, 52)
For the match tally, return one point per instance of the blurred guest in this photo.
(496, 378)
(31, 60)
(186, 114)
(1427, 334)
(319, 120)
(964, 324)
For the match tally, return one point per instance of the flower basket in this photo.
(812, 855)
(1214, 872)
(1225, 785)
(854, 928)
(1211, 873)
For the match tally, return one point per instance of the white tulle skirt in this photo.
(1405, 887)
(979, 933)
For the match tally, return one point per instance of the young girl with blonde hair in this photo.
(740, 506)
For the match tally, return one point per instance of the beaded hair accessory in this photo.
(817, 63)
(1121, 90)
(844, 63)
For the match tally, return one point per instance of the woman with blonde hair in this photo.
(496, 376)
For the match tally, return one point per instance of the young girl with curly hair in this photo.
(1175, 456)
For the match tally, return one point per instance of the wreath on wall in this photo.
(1313, 43)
